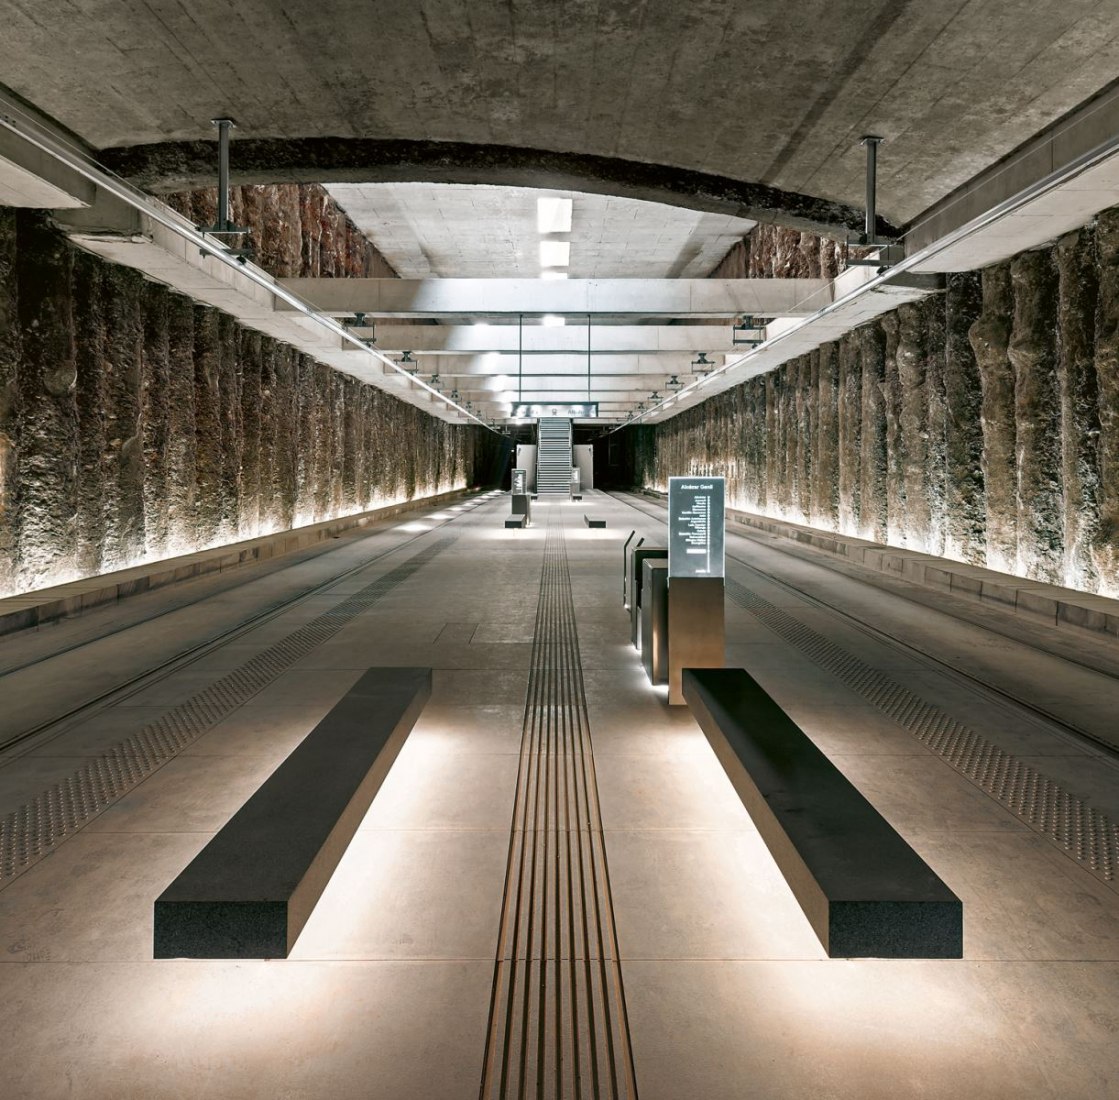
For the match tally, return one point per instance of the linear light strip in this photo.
(982, 221)
(32, 131)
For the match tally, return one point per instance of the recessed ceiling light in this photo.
(553, 274)
(555, 253)
(553, 215)
(552, 320)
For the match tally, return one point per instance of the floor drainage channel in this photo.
(557, 1024)
(38, 826)
(1081, 831)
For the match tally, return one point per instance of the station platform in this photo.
(556, 892)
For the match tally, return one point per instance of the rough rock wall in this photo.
(295, 230)
(981, 423)
(135, 424)
(772, 252)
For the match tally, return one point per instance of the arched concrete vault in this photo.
(725, 105)
(179, 166)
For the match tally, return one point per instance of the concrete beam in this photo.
(434, 298)
(1015, 205)
(496, 365)
(30, 178)
(118, 232)
(457, 340)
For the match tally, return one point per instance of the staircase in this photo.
(553, 456)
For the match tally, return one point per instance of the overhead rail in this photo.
(913, 275)
(16, 120)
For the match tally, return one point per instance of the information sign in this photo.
(582, 410)
(695, 526)
(520, 482)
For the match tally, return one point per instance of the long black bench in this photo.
(865, 891)
(593, 522)
(249, 892)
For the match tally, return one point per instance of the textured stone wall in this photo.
(135, 424)
(774, 252)
(295, 230)
(982, 423)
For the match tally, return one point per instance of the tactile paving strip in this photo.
(1079, 829)
(30, 832)
(557, 1025)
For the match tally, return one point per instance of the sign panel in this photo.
(695, 526)
(583, 410)
(520, 482)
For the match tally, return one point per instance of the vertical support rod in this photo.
(871, 141)
(588, 358)
(520, 357)
(224, 125)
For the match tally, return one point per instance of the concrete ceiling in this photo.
(491, 232)
(768, 92)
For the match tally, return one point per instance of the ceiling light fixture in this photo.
(555, 253)
(553, 320)
(673, 382)
(701, 364)
(553, 215)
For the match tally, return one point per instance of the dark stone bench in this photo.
(515, 521)
(593, 522)
(249, 892)
(865, 891)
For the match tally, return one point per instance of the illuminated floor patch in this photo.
(1080, 830)
(32, 831)
(557, 1018)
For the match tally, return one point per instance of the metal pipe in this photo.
(79, 160)
(224, 125)
(871, 142)
(982, 221)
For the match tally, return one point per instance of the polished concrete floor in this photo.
(728, 993)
